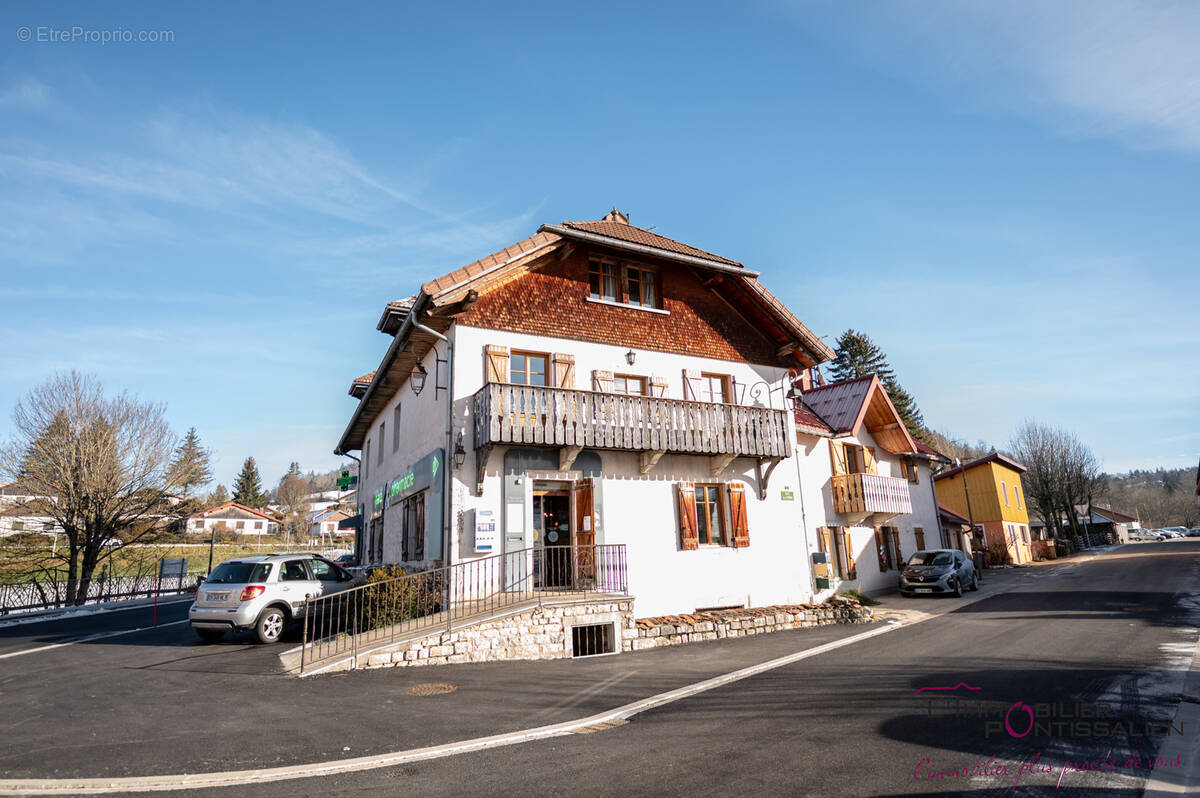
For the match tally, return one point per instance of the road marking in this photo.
(613, 717)
(90, 638)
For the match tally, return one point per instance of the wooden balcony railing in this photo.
(561, 417)
(857, 494)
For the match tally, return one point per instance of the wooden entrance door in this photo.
(585, 534)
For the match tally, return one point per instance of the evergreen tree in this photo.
(857, 356)
(218, 497)
(247, 488)
(294, 469)
(190, 466)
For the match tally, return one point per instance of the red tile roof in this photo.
(808, 421)
(953, 516)
(506, 255)
(236, 506)
(616, 225)
(929, 451)
(366, 378)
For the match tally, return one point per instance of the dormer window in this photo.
(622, 283)
(603, 281)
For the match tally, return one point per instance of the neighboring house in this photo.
(956, 531)
(323, 524)
(1099, 521)
(868, 485)
(608, 385)
(232, 517)
(18, 515)
(988, 493)
(323, 500)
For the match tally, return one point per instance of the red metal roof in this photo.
(838, 403)
(994, 457)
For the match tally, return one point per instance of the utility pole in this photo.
(982, 555)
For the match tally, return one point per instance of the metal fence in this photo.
(51, 592)
(381, 612)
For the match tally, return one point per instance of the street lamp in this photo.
(417, 378)
(460, 454)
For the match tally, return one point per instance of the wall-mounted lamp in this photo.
(630, 356)
(460, 454)
(417, 378)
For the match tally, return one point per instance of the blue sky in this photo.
(1002, 194)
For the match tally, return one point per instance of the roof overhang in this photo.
(408, 348)
(883, 421)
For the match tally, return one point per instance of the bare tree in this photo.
(292, 495)
(1063, 473)
(101, 468)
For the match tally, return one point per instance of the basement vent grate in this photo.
(592, 640)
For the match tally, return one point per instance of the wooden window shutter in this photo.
(914, 471)
(870, 464)
(896, 547)
(848, 545)
(919, 534)
(495, 359)
(823, 539)
(904, 468)
(602, 381)
(737, 515)
(685, 494)
(837, 457)
(564, 370)
(691, 385)
(881, 549)
(658, 386)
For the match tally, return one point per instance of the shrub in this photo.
(862, 599)
(392, 596)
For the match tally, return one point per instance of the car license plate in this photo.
(216, 596)
(923, 590)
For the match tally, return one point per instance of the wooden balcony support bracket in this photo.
(647, 460)
(566, 457)
(764, 477)
(481, 458)
(717, 464)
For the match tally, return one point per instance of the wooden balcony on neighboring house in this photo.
(572, 420)
(870, 495)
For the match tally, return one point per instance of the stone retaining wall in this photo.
(539, 633)
(545, 632)
(673, 630)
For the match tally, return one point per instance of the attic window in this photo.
(622, 283)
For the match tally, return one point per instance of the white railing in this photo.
(871, 493)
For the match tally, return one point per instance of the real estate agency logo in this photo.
(1021, 720)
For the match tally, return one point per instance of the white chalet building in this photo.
(600, 384)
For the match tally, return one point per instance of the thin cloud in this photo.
(28, 93)
(1120, 69)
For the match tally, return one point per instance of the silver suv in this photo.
(263, 593)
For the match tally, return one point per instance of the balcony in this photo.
(573, 420)
(863, 496)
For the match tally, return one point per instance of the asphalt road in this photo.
(1105, 640)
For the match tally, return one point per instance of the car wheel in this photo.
(210, 635)
(270, 625)
(958, 591)
(974, 581)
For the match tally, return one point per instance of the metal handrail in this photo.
(51, 593)
(427, 601)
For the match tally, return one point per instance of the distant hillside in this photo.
(1163, 497)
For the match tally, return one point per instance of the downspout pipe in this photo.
(447, 498)
(358, 539)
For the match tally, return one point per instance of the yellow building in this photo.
(988, 493)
